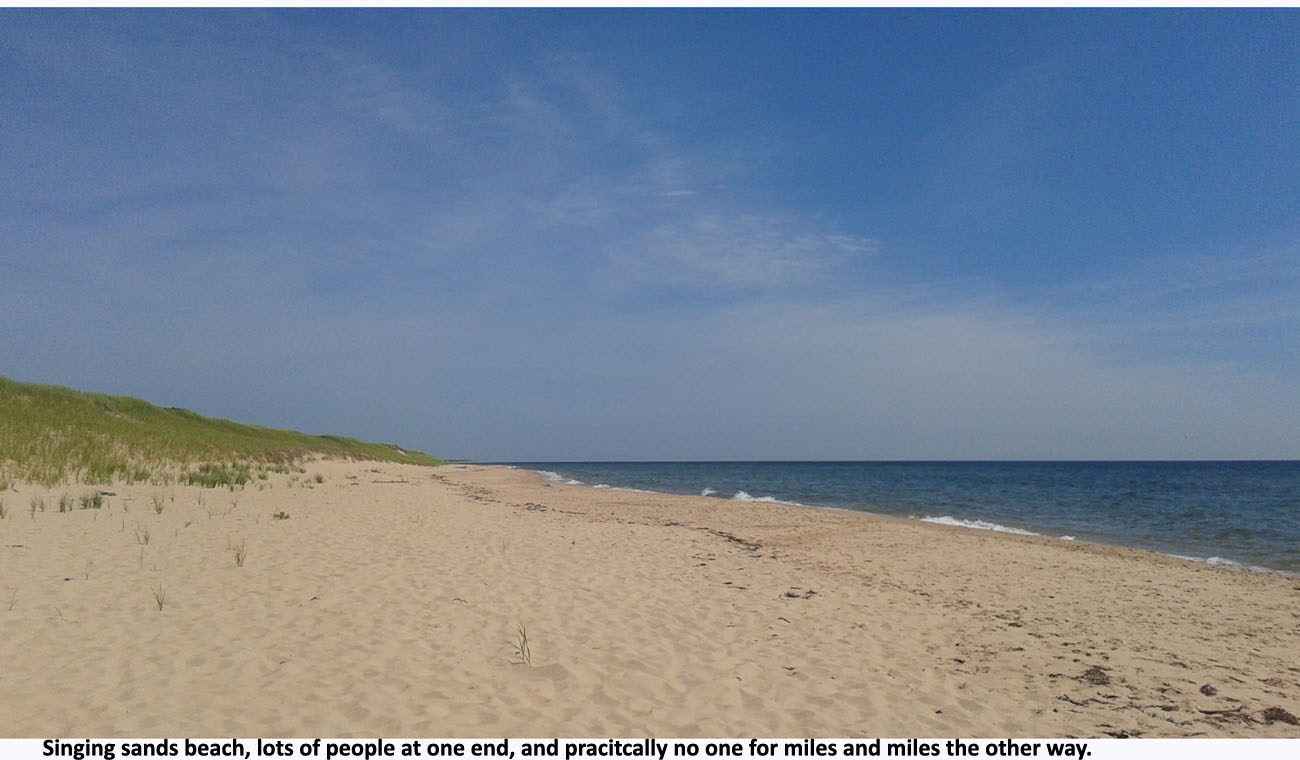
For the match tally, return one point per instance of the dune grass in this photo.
(523, 652)
(53, 435)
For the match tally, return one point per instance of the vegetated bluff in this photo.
(51, 434)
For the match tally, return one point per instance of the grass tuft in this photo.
(240, 553)
(219, 475)
(159, 595)
(522, 651)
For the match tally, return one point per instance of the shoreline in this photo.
(386, 603)
(1214, 560)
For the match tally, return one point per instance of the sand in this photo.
(387, 604)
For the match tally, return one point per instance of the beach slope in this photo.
(374, 598)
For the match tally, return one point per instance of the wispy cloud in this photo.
(713, 252)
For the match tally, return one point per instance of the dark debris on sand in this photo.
(1096, 675)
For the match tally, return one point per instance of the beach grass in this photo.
(523, 652)
(53, 435)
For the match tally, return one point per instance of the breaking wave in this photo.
(555, 477)
(977, 524)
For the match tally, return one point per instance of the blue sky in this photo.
(682, 234)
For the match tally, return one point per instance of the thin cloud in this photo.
(738, 252)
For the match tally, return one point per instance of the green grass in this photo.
(224, 475)
(52, 435)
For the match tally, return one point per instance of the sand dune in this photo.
(388, 604)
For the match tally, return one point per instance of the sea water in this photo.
(1236, 514)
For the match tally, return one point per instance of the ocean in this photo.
(1243, 515)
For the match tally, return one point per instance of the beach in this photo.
(393, 600)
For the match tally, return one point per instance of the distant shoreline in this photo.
(1173, 508)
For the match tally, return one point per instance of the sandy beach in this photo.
(387, 599)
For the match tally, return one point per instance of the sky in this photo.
(545, 235)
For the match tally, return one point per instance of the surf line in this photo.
(616, 748)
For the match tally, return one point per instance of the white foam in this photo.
(1067, 538)
(743, 496)
(1234, 565)
(707, 492)
(555, 477)
(601, 485)
(977, 524)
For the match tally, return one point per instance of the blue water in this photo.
(1238, 514)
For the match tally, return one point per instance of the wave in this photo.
(742, 496)
(707, 492)
(977, 524)
(555, 477)
(1231, 564)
